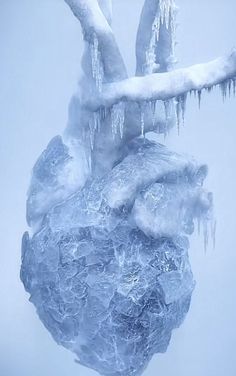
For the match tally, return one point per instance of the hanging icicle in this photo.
(199, 94)
(234, 86)
(97, 67)
(165, 16)
(153, 105)
(118, 119)
(168, 114)
(180, 108)
(223, 87)
(142, 123)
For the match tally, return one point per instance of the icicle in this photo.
(97, 121)
(234, 86)
(199, 93)
(151, 65)
(213, 233)
(183, 101)
(118, 118)
(223, 87)
(142, 122)
(166, 10)
(92, 131)
(168, 113)
(178, 112)
(153, 111)
(180, 106)
(229, 87)
(165, 15)
(97, 68)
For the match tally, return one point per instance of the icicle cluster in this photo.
(118, 119)
(165, 16)
(228, 87)
(97, 67)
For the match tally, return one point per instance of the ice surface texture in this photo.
(106, 262)
(108, 267)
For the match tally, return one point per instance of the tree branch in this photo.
(164, 86)
(93, 22)
(155, 38)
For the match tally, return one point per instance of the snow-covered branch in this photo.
(156, 37)
(164, 86)
(95, 24)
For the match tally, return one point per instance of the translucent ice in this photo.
(106, 261)
(107, 268)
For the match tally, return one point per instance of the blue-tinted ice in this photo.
(107, 265)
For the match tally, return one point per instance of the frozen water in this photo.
(107, 268)
(97, 68)
(106, 262)
(118, 118)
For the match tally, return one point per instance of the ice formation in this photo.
(106, 261)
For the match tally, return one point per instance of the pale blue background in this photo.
(40, 50)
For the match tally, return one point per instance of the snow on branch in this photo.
(156, 37)
(95, 24)
(164, 86)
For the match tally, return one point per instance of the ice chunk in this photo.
(170, 209)
(175, 285)
(147, 163)
(59, 171)
(102, 284)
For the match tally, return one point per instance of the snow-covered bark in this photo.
(156, 37)
(108, 99)
(164, 86)
(98, 33)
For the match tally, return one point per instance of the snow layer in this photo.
(164, 86)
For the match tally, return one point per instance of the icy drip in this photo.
(151, 65)
(97, 67)
(142, 122)
(94, 126)
(118, 119)
(152, 109)
(207, 226)
(180, 106)
(165, 16)
(166, 11)
(168, 114)
(228, 87)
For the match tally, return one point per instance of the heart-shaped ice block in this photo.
(107, 265)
